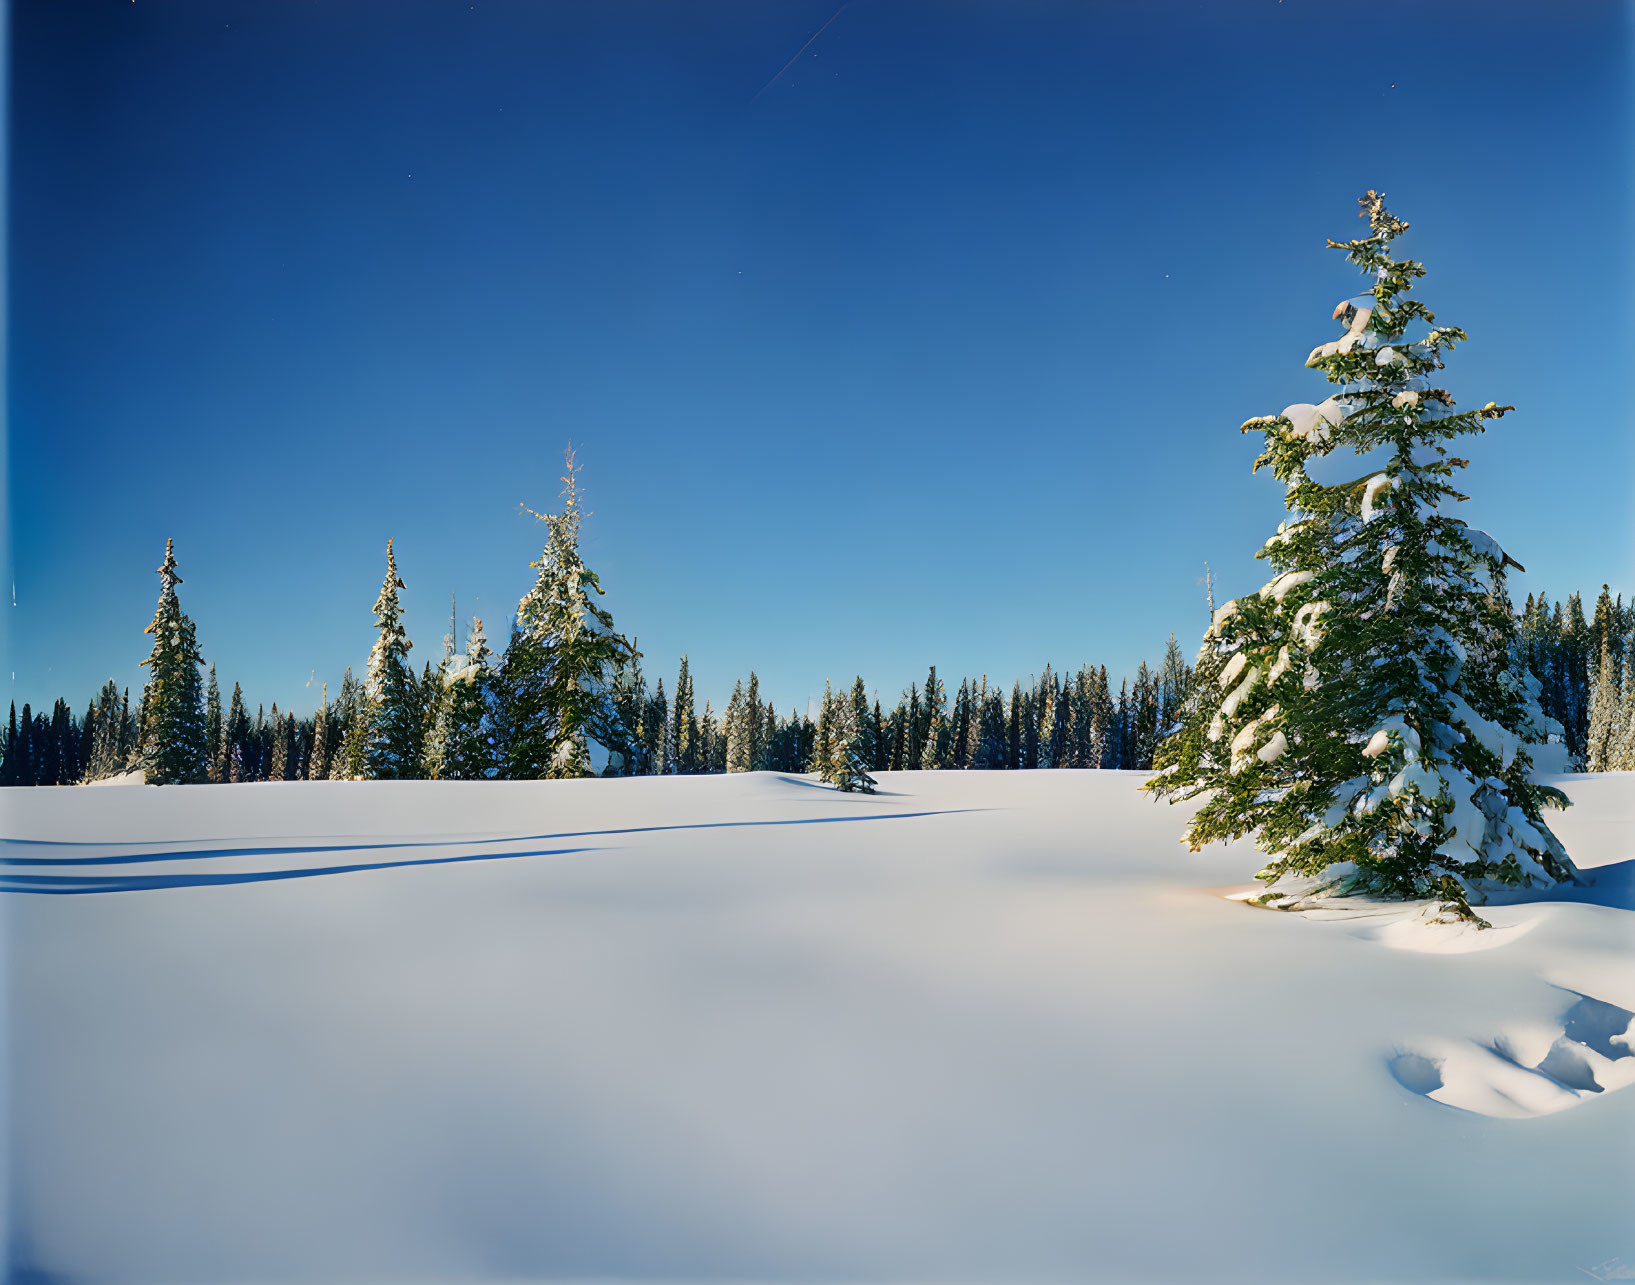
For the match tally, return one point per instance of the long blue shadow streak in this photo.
(201, 854)
(71, 885)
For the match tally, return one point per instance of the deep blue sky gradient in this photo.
(936, 351)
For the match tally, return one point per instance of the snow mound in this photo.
(1527, 1069)
(138, 777)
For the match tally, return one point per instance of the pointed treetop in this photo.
(386, 607)
(168, 579)
(167, 616)
(570, 486)
(1386, 225)
(391, 566)
(566, 523)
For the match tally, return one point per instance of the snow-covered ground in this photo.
(992, 1026)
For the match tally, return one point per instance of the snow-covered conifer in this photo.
(1046, 699)
(1099, 714)
(105, 760)
(856, 743)
(712, 746)
(173, 749)
(1174, 687)
(1119, 734)
(318, 760)
(1604, 703)
(1016, 727)
(128, 730)
(468, 747)
(847, 764)
(350, 761)
(431, 694)
(393, 731)
(867, 728)
(278, 768)
(569, 655)
(1370, 717)
(1144, 730)
(1622, 758)
(988, 730)
(659, 728)
(737, 730)
(910, 753)
(754, 724)
(235, 731)
(933, 703)
(823, 743)
(630, 747)
(21, 770)
(683, 732)
(10, 773)
(212, 727)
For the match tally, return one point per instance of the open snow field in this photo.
(994, 1026)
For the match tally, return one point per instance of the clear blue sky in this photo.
(934, 351)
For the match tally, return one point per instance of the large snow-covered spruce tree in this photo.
(563, 657)
(174, 749)
(1367, 715)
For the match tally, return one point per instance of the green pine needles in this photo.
(1367, 715)
(175, 749)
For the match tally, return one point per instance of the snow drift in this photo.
(981, 1025)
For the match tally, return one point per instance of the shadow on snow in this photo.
(69, 883)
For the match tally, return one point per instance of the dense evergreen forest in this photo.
(568, 697)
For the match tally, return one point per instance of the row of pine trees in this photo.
(457, 721)
(458, 713)
(567, 697)
(567, 681)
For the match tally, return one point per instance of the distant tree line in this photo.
(1585, 670)
(458, 729)
(568, 697)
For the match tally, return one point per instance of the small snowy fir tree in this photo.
(1174, 686)
(174, 750)
(392, 712)
(434, 706)
(318, 758)
(235, 731)
(279, 761)
(566, 658)
(933, 702)
(846, 764)
(469, 752)
(107, 756)
(629, 750)
(212, 726)
(1622, 757)
(1604, 702)
(738, 730)
(681, 730)
(823, 738)
(1367, 715)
